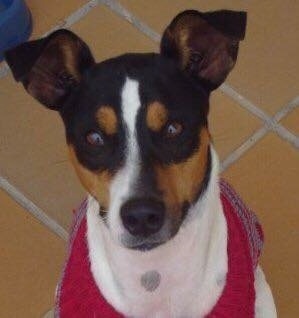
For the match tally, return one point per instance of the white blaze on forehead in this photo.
(124, 180)
(130, 103)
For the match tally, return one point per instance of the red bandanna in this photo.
(79, 297)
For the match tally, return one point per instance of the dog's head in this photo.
(136, 125)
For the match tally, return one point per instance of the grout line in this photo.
(75, 16)
(282, 131)
(33, 209)
(65, 23)
(250, 142)
(273, 126)
(245, 103)
(287, 135)
(271, 122)
(116, 7)
(287, 109)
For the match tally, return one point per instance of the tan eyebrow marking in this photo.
(107, 119)
(156, 116)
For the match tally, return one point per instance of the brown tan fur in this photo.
(156, 116)
(107, 120)
(181, 182)
(96, 183)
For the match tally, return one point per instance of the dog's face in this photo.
(136, 125)
(139, 143)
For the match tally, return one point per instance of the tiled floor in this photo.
(263, 165)
(31, 260)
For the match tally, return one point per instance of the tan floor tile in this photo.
(267, 71)
(109, 36)
(33, 153)
(230, 124)
(46, 14)
(292, 121)
(31, 262)
(159, 15)
(267, 178)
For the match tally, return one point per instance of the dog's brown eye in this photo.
(95, 139)
(173, 130)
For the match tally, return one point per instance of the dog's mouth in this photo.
(146, 246)
(148, 243)
(143, 244)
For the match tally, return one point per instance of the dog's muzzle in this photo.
(144, 220)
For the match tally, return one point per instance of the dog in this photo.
(159, 235)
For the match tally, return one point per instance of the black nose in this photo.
(143, 217)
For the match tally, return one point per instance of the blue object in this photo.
(15, 24)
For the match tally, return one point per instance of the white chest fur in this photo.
(182, 278)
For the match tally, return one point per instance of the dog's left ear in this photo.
(205, 45)
(50, 68)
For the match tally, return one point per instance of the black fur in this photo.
(159, 80)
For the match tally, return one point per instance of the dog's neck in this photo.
(182, 278)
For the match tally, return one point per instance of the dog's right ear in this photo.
(205, 44)
(51, 67)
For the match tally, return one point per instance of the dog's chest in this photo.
(180, 279)
(154, 291)
(176, 300)
(114, 283)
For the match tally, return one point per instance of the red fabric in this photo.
(79, 296)
(238, 297)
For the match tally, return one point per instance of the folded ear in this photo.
(205, 44)
(51, 67)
